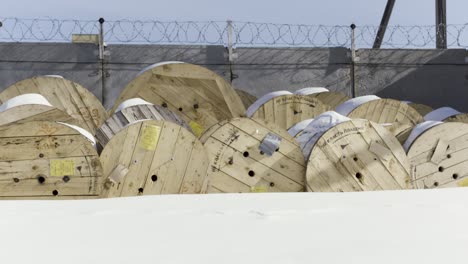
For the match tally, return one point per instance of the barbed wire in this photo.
(216, 33)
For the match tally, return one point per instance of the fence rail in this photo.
(215, 32)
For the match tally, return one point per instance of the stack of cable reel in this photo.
(201, 97)
(438, 154)
(330, 98)
(65, 95)
(250, 155)
(398, 117)
(133, 110)
(45, 160)
(285, 109)
(247, 99)
(446, 114)
(150, 150)
(346, 154)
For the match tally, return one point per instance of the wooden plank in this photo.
(161, 158)
(357, 156)
(43, 159)
(238, 165)
(68, 96)
(196, 93)
(287, 110)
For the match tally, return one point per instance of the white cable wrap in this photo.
(317, 128)
(418, 130)
(440, 114)
(262, 100)
(131, 102)
(54, 76)
(157, 65)
(24, 99)
(311, 90)
(298, 127)
(83, 132)
(348, 106)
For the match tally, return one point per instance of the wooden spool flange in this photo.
(286, 109)
(154, 157)
(64, 94)
(398, 117)
(47, 160)
(237, 164)
(131, 114)
(438, 154)
(201, 97)
(247, 99)
(354, 155)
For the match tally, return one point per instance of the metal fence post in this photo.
(230, 47)
(101, 59)
(353, 61)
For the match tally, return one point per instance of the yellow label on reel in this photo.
(196, 128)
(62, 168)
(149, 137)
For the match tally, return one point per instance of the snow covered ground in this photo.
(374, 227)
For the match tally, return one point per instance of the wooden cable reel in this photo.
(246, 156)
(438, 154)
(201, 97)
(286, 109)
(154, 157)
(446, 114)
(32, 107)
(398, 117)
(247, 99)
(329, 98)
(297, 129)
(64, 94)
(136, 110)
(47, 160)
(353, 155)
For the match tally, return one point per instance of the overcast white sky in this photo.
(328, 12)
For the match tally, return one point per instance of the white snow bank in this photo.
(420, 226)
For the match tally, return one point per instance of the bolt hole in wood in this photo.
(195, 106)
(140, 190)
(66, 178)
(262, 153)
(436, 184)
(355, 159)
(359, 176)
(449, 156)
(272, 184)
(180, 109)
(251, 173)
(55, 192)
(277, 149)
(41, 155)
(246, 154)
(164, 105)
(441, 169)
(41, 179)
(455, 176)
(154, 178)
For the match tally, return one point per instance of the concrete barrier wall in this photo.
(434, 77)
